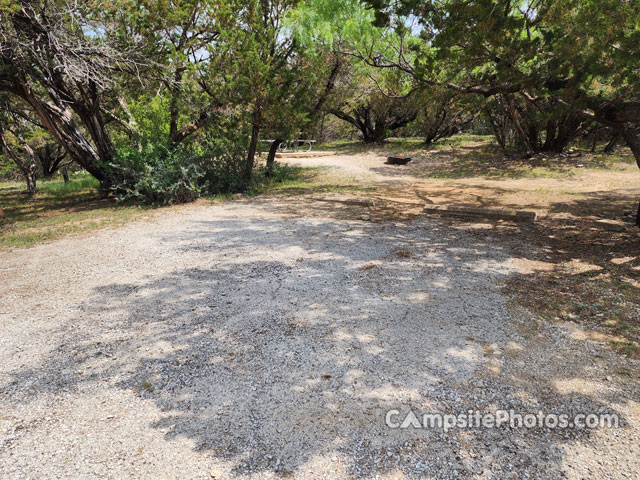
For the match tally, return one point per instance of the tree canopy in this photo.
(135, 88)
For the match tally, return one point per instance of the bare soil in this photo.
(594, 273)
(268, 337)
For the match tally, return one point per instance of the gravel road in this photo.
(250, 340)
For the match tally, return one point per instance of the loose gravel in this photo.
(256, 340)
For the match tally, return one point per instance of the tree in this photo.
(20, 123)
(443, 114)
(18, 150)
(374, 102)
(274, 79)
(269, 71)
(360, 101)
(60, 59)
(182, 40)
(577, 54)
(297, 105)
(522, 126)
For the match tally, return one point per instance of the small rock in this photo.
(366, 218)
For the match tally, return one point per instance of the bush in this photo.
(148, 168)
(154, 175)
(8, 171)
(160, 174)
(221, 156)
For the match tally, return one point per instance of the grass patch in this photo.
(397, 146)
(478, 156)
(58, 209)
(294, 180)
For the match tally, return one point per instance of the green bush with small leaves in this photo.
(155, 175)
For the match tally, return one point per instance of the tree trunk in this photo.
(516, 121)
(60, 124)
(65, 175)
(569, 127)
(271, 157)
(373, 127)
(373, 137)
(53, 101)
(594, 142)
(634, 144)
(321, 136)
(434, 130)
(374, 132)
(612, 143)
(550, 134)
(50, 158)
(498, 132)
(174, 109)
(29, 170)
(253, 144)
(30, 178)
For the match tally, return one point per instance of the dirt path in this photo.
(268, 339)
(449, 177)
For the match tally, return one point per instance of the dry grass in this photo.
(58, 209)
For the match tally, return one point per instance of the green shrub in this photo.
(222, 152)
(8, 170)
(148, 168)
(154, 174)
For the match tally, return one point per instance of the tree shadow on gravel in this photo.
(278, 346)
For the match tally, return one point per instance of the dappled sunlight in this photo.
(320, 239)
(266, 342)
(579, 385)
(58, 209)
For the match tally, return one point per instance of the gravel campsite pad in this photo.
(244, 340)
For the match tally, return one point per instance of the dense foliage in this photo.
(165, 101)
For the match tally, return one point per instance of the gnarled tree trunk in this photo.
(612, 143)
(50, 158)
(59, 122)
(28, 168)
(516, 120)
(375, 126)
(634, 144)
(271, 157)
(253, 143)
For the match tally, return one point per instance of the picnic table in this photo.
(293, 145)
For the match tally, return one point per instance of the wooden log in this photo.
(479, 212)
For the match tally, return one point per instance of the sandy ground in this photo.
(268, 339)
(588, 192)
